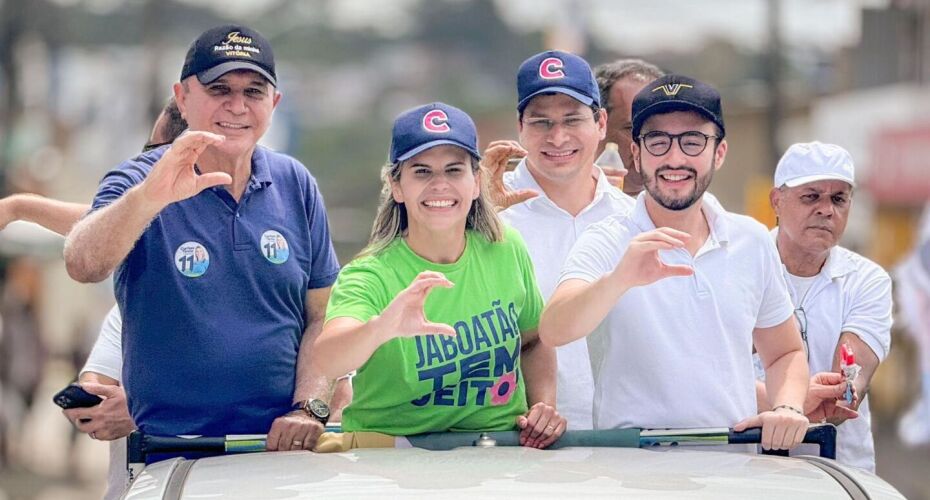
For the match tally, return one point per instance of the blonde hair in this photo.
(391, 220)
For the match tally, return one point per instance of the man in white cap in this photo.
(840, 297)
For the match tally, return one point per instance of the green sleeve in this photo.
(358, 293)
(533, 303)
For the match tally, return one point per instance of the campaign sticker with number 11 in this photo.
(274, 247)
(192, 259)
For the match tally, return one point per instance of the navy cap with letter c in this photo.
(430, 125)
(676, 93)
(557, 71)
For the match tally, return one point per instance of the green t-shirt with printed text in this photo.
(432, 383)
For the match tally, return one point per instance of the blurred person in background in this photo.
(840, 297)
(913, 294)
(22, 350)
(181, 327)
(683, 289)
(60, 216)
(556, 191)
(101, 374)
(438, 313)
(619, 81)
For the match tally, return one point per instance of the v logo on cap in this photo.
(436, 121)
(671, 89)
(551, 68)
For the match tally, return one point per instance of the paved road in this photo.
(908, 469)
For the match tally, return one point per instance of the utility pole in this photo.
(773, 78)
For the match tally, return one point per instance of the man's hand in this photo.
(782, 429)
(541, 426)
(404, 316)
(824, 399)
(173, 177)
(494, 162)
(641, 264)
(296, 430)
(108, 420)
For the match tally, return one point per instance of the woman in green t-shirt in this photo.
(439, 312)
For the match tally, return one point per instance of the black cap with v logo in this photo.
(677, 93)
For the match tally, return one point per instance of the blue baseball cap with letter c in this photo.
(430, 125)
(557, 71)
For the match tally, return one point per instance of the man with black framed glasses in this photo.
(681, 290)
(840, 297)
(556, 191)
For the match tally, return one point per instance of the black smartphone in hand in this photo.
(74, 396)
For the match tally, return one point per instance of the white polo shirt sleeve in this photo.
(776, 306)
(870, 309)
(597, 251)
(106, 357)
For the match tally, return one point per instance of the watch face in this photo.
(318, 408)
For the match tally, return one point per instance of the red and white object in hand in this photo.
(850, 370)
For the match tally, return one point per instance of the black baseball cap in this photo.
(677, 93)
(220, 50)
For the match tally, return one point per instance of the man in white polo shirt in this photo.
(560, 122)
(683, 289)
(839, 296)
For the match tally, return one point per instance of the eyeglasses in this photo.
(691, 143)
(801, 316)
(545, 125)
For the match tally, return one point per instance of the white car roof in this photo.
(511, 472)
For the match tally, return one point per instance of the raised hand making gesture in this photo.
(641, 264)
(174, 177)
(494, 161)
(356, 341)
(90, 258)
(404, 316)
(578, 306)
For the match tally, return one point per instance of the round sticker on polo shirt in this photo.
(274, 247)
(192, 259)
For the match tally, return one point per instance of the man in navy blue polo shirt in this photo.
(215, 314)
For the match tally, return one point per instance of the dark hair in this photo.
(608, 74)
(175, 123)
(168, 129)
